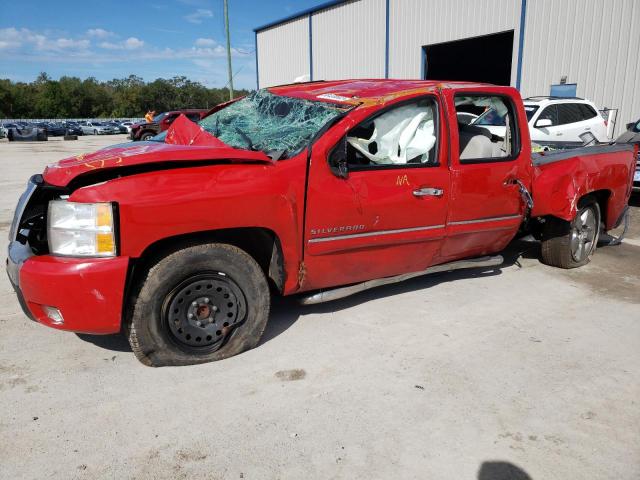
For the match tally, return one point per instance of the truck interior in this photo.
(398, 136)
(491, 134)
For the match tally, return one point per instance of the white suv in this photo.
(554, 122)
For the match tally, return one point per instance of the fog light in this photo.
(54, 314)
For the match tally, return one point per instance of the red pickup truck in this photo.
(325, 188)
(161, 122)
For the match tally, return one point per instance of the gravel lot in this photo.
(524, 372)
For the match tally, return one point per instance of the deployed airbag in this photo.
(401, 135)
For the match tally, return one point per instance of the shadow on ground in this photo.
(116, 342)
(285, 311)
(501, 471)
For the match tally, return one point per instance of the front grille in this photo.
(22, 205)
(29, 225)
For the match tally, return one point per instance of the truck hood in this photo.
(185, 144)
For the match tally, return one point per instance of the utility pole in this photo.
(226, 27)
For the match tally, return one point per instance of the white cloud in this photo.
(109, 46)
(64, 44)
(13, 38)
(99, 33)
(205, 42)
(199, 15)
(9, 38)
(131, 43)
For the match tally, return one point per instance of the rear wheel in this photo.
(571, 244)
(200, 304)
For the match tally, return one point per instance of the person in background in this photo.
(149, 116)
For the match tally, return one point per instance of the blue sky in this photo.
(151, 39)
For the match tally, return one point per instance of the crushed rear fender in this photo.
(561, 179)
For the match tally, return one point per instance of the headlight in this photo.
(81, 229)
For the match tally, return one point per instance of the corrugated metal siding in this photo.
(594, 43)
(349, 41)
(414, 23)
(283, 52)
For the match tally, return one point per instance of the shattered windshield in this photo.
(270, 123)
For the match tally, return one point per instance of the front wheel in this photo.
(199, 304)
(571, 244)
(146, 136)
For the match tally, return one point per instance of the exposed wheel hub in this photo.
(583, 234)
(202, 310)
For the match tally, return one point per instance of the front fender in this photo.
(158, 205)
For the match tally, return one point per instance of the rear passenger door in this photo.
(485, 206)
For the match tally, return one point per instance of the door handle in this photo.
(428, 192)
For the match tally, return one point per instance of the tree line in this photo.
(71, 97)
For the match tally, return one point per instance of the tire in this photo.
(571, 244)
(146, 136)
(95, 132)
(205, 285)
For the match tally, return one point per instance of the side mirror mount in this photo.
(629, 126)
(545, 122)
(338, 159)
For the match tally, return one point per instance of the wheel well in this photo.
(261, 243)
(602, 199)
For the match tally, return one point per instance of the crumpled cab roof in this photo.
(360, 91)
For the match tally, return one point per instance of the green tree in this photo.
(71, 97)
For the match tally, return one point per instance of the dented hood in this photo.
(185, 142)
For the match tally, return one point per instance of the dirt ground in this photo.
(523, 372)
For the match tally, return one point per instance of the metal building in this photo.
(589, 46)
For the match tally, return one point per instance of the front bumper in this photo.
(87, 291)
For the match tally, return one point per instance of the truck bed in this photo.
(544, 158)
(562, 178)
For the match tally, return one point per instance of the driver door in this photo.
(385, 213)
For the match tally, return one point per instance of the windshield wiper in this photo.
(246, 138)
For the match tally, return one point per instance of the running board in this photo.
(336, 293)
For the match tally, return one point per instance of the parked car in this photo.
(553, 122)
(321, 189)
(55, 129)
(144, 131)
(632, 136)
(73, 128)
(118, 127)
(97, 128)
(127, 125)
(4, 128)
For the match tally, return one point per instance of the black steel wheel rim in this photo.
(201, 312)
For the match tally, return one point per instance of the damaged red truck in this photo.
(321, 189)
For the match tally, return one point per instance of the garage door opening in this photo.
(478, 59)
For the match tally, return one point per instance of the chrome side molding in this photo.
(341, 292)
